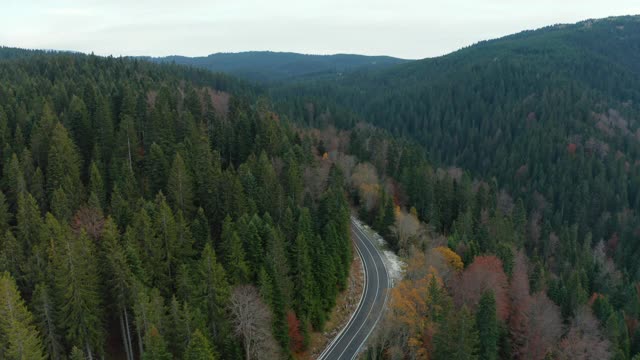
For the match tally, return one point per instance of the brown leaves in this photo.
(296, 340)
(89, 220)
(485, 273)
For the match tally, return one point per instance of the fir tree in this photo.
(19, 338)
(487, 325)
(199, 348)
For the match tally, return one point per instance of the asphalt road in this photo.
(351, 340)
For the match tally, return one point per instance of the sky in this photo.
(409, 29)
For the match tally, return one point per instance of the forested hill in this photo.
(267, 66)
(552, 112)
(158, 211)
(545, 119)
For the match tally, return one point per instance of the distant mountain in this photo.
(552, 114)
(267, 66)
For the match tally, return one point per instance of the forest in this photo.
(511, 165)
(157, 212)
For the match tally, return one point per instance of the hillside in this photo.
(549, 117)
(143, 205)
(267, 66)
(553, 111)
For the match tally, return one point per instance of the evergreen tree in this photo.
(180, 186)
(76, 282)
(457, 338)
(199, 348)
(234, 254)
(487, 325)
(19, 338)
(155, 346)
(63, 166)
(46, 316)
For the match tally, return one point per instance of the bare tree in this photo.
(544, 327)
(408, 229)
(252, 322)
(584, 341)
(365, 179)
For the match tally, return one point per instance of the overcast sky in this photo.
(403, 28)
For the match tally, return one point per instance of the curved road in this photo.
(351, 340)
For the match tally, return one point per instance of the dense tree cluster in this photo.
(522, 144)
(143, 206)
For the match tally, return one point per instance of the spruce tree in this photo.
(77, 285)
(63, 166)
(46, 316)
(487, 325)
(180, 186)
(199, 348)
(155, 346)
(19, 339)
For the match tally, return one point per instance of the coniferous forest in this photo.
(145, 210)
(159, 211)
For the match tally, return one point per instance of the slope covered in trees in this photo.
(486, 278)
(144, 205)
(267, 66)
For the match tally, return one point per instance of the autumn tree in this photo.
(484, 273)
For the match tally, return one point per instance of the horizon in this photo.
(196, 28)
(312, 54)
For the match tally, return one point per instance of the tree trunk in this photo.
(128, 329)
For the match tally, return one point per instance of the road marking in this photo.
(372, 306)
(366, 243)
(386, 296)
(338, 337)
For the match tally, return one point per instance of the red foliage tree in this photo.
(485, 273)
(571, 148)
(296, 340)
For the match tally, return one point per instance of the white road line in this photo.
(370, 309)
(337, 338)
(386, 296)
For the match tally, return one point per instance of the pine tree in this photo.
(5, 214)
(157, 169)
(180, 186)
(213, 293)
(14, 182)
(234, 255)
(199, 348)
(76, 282)
(302, 274)
(206, 174)
(165, 244)
(46, 315)
(19, 338)
(120, 282)
(487, 325)
(457, 337)
(155, 346)
(63, 166)
(76, 354)
(30, 236)
(96, 185)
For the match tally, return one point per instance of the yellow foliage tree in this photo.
(451, 258)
